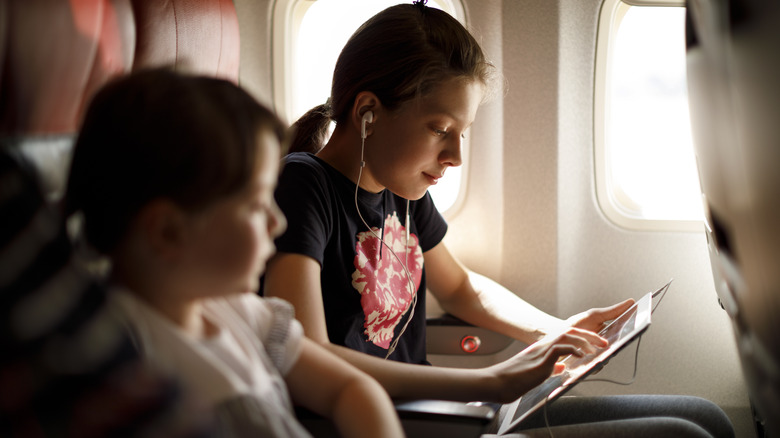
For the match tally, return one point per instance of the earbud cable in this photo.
(394, 344)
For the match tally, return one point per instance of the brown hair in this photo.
(399, 54)
(159, 134)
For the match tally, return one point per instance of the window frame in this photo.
(610, 200)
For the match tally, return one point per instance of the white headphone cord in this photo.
(394, 344)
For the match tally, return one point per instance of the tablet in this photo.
(620, 332)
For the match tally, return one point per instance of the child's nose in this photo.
(277, 223)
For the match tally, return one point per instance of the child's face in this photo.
(409, 150)
(231, 241)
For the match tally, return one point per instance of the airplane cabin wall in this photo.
(531, 219)
(255, 21)
(557, 249)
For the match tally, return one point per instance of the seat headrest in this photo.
(55, 54)
(193, 36)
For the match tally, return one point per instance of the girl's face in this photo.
(410, 149)
(230, 242)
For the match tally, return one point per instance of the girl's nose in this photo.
(451, 155)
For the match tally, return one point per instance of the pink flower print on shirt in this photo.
(382, 282)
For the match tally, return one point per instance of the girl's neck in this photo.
(342, 152)
(187, 314)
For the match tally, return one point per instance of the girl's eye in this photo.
(439, 132)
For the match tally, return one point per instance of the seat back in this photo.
(52, 63)
(68, 367)
(197, 36)
(733, 69)
(55, 55)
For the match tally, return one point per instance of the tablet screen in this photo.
(619, 333)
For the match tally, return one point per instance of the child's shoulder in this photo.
(271, 320)
(259, 312)
(249, 302)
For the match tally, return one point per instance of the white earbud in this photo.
(368, 117)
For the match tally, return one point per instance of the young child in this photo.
(365, 240)
(174, 176)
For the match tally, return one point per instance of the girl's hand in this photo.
(538, 361)
(594, 319)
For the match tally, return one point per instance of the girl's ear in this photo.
(365, 101)
(162, 225)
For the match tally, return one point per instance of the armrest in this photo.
(432, 418)
(446, 335)
(421, 419)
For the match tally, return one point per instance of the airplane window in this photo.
(307, 49)
(646, 168)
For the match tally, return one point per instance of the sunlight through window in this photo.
(648, 158)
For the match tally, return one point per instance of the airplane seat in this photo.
(734, 96)
(51, 67)
(193, 36)
(64, 358)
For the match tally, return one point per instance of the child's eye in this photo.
(439, 132)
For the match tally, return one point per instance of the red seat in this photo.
(56, 54)
(198, 36)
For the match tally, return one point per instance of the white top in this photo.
(257, 342)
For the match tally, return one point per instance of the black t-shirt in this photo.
(365, 290)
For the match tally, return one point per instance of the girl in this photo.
(174, 176)
(365, 240)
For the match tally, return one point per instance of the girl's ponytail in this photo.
(310, 132)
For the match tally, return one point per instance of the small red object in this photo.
(470, 344)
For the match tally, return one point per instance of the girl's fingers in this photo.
(591, 337)
(584, 340)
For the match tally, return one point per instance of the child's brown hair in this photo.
(160, 134)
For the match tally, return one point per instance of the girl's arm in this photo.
(482, 302)
(296, 278)
(329, 386)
